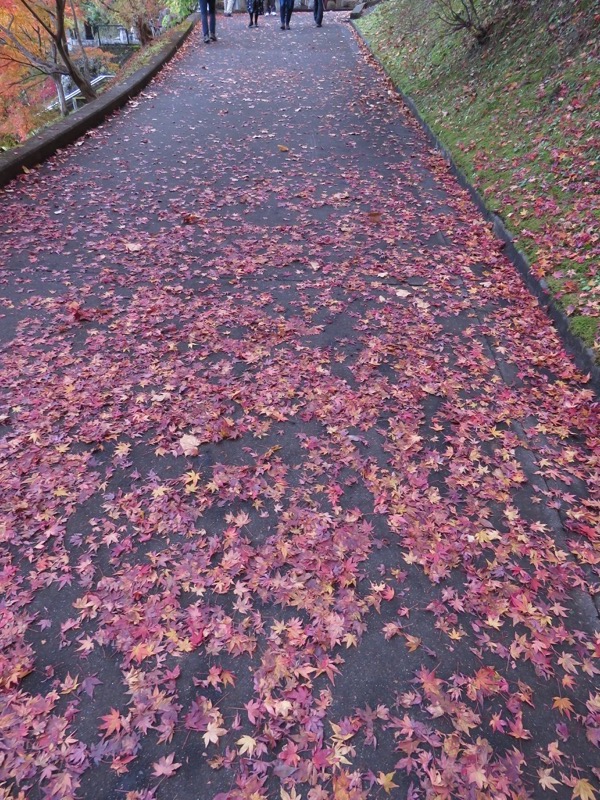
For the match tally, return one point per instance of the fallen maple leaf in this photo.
(165, 766)
(386, 780)
(412, 642)
(112, 722)
(546, 779)
(584, 790)
(246, 744)
(189, 444)
(564, 705)
(213, 733)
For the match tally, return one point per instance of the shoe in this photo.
(287, 27)
(251, 25)
(282, 27)
(207, 39)
(213, 37)
(318, 24)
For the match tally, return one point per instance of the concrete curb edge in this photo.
(66, 131)
(583, 355)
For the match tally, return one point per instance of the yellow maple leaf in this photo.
(141, 651)
(584, 790)
(412, 642)
(246, 744)
(387, 781)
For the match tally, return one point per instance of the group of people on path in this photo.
(256, 8)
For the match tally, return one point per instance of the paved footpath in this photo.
(300, 493)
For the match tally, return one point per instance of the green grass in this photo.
(145, 54)
(520, 115)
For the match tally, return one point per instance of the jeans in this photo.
(207, 13)
(318, 12)
(285, 11)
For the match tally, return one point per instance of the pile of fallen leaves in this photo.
(300, 492)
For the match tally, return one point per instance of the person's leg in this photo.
(212, 18)
(318, 11)
(289, 10)
(282, 13)
(204, 18)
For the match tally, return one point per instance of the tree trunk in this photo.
(143, 30)
(84, 86)
(61, 94)
(87, 74)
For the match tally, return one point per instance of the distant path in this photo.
(300, 492)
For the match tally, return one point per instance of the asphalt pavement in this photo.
(300, 490)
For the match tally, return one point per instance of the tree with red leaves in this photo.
(33, 43)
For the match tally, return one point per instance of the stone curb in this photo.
(583, 356)
(41, 146)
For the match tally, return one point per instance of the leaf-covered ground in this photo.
(300, 492)
(521, 116)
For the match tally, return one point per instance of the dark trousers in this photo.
(318, 11)
(285, 11)
(207, 14)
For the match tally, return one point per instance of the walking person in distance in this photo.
(209, 20)
(255, 7)
(286, 8)
(318, 12)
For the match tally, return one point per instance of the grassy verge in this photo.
(521, 116)
(145, 54)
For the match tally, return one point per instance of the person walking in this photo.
(318, 12)
(228, 7)
(270, 8)
(209, 20)
(286, 7)
(255, 7)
